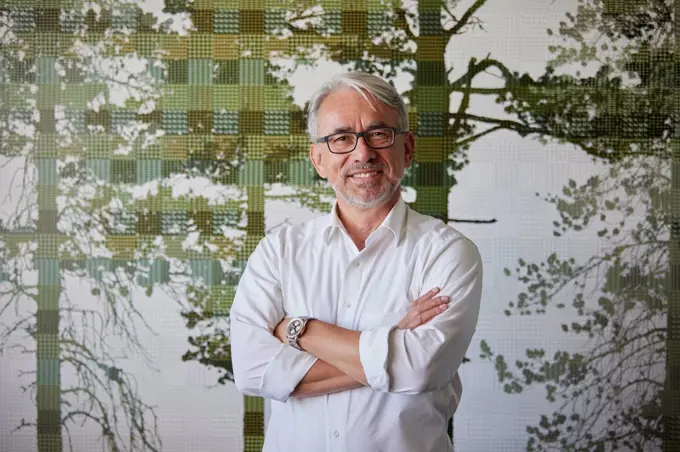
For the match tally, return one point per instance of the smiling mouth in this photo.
(366, 175)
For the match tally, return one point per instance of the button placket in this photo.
(339, 403)
(351, 282)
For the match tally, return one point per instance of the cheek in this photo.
(393, 163)
(334, 167)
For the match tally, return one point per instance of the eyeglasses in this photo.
(346, 142)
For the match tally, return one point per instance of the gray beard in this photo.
(379, 200)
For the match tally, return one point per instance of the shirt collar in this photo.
(394, 221)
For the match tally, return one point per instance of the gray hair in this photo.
(377, 87)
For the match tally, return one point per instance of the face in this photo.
(365, 177)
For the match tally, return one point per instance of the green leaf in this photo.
(486, 349)
(606, 304)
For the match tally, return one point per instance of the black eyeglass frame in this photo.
(358, 135)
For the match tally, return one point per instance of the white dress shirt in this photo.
(314, 269)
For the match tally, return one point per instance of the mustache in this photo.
(363, 166)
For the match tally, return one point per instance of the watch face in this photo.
(294, 327)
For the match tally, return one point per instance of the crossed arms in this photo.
(339, 346)
(422, 353)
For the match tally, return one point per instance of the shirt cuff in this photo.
(373, 354)
(283, 373)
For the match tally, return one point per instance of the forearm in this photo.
(339, 347)
(321, 371)
(323, 379)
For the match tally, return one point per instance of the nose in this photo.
(363, 152)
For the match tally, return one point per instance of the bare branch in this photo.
(465, 19)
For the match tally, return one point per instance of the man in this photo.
(355, 323)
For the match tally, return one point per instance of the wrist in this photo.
(308, 334)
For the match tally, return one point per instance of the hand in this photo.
(424, 309)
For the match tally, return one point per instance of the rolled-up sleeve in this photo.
(263, 366)
(428, 357)
(373, 352)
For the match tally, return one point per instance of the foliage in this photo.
(609, 394)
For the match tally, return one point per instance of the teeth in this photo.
(364, 175)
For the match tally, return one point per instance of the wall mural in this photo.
(112, 106)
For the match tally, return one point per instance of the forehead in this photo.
(348, 108)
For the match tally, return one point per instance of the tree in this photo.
(671, 396)
(620, 391)
(75, 101)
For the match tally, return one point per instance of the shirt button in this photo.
(336, 433)
(356, 264)
(348, 304)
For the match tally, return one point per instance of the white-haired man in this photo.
(355, 323)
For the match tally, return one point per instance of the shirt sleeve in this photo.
(263, 366)
(427, 358)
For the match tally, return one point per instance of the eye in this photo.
(339, 138)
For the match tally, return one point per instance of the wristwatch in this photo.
(296, 326)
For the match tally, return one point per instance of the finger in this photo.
(414, 316)
(425, 316)
(428, 304)
(431, 293)
(433, 303)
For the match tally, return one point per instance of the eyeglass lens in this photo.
(376, 138)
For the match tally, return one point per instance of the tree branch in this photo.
(518, 127)
(459, 220)
(475, 68)
(473, 138)
(466, 17)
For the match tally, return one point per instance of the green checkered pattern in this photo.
(219, 104)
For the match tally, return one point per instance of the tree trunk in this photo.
(253, 407)
(48, 394)
(429, 117)
(671, 394)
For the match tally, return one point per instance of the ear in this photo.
(315, 157)
(409, 148)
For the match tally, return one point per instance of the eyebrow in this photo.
(371, 126)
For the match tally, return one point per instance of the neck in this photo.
(359, 222)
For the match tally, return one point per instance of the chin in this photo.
(369, 197)
(367, 202)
